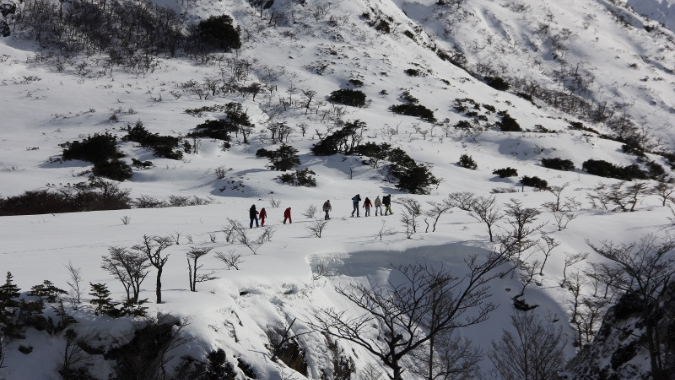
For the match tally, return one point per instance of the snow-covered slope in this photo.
(319, 46)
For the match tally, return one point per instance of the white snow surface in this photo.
(42, 108)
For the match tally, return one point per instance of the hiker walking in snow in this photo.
(378, 205)
(327, 208)
(386, 201)
(356, 200)
(287, 216)
(253, 214)
(367, 204)
(263, 215)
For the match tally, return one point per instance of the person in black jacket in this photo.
(386, 201)
(253, 214)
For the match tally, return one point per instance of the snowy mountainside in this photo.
(319, 46)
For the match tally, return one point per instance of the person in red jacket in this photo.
(287, 216)
(367, 204)
(262, 215)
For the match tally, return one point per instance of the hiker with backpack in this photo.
(356, 200)
(386, 201)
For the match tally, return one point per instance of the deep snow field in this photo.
(41, 108)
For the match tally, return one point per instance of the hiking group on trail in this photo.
(327, 208)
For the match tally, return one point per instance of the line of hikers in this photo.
(327, 208)
(367, 205)
(254, 214)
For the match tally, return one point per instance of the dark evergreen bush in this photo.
(282, 159)
(412, 72)
(557, 163)
(344, 140)
(356, 82)
(525, 96)
(509, 124)
(373, 150)
(383, 26)
(217, 32)
(214, 129)
(415, 179)
(114, 169)
(535, 182)
(497, 83)
(467, 162)
(162, 146)
(463, 124)
(506, 172)
(627, 173)
(303, 177)
(601, 168)
(348, 97)
(94, 149)
(102, 151)
(92, 196)
(414, 110)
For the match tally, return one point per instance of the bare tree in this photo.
(528, 271)
(231, 259)
(74, 283)
(556, 205)
(411, 211)
(152, 248)
(453, 359)
(546, 245)
(462, 200)
(281, 335)
(193, 256)
(486, 210)
(563, 218)
(437, 209)
(310, 211)
(130, 268)
(427, 297)
(519, 240)
(316, 228)
(647, 269)
(74, 356)
(534, 351)
(571, 259)
(664, 190)
(622, 198)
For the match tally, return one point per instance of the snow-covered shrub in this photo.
(217, 32)
(506, 172)
(348, 97)
(103, 152)
(535, 182)
(414, 110)
(497, 83)
(95, 195)
(282, 159)
(303, 177)
(508, 124)
(162, 146)
(557, 163)
(467, 162)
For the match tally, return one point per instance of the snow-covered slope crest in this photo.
(662, 11)
(301, 51)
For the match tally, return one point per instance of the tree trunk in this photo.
(158, 289)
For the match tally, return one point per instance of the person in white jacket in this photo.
(378, 205)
